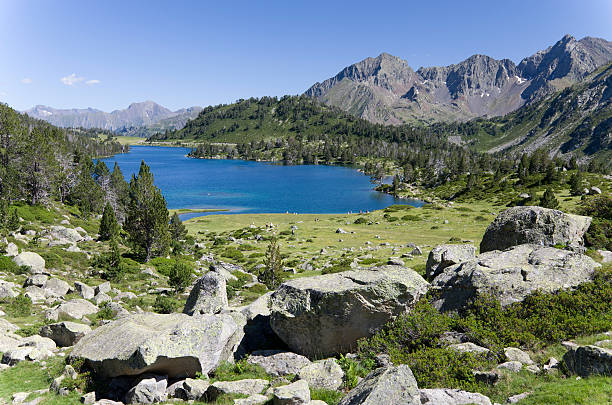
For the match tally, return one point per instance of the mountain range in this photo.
(147, 114)
(387, 90)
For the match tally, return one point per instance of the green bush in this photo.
(360, 221)
(239, 370)
(180, 276)
(233, 253)
(18, 307)
(599, 234)
(105, 313)
(342, 265)
(7, 264)
(165, 305)
(411, 218)
(330, 397)
(353, 370)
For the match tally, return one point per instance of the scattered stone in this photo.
(588, 360)
(73, 309)
(446, 396)
(394, 261)
(416, 251)
(7, 327)
(191, 389)
(451, 337)
(296, 393)
(89, 398)
(325, 315)
(177, 345)
(256, 399)
(7, 290)
(517, 398)
(36, 294)
(532, 368)
(606, 256)
(278, 363)
(101, 298)
(535, 225)
(208, 295)
(150, 389)
(469, 347)
(443, 256)
(65, 333)
(487, 377)
(514, 354)
(325, 374)
(12, 250)
(511, 366)
(85, 291)
(595, 190)
(340, 230)
(32, 260)
(56, 287)
(386, 385)
(37, 280)
(105, 287)
(245, 387)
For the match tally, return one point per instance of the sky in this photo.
(108, 54)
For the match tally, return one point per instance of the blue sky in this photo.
(107, 54)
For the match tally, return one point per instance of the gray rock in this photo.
(65, 333)
(177, 345)
(37, 280)
(511, 366)
(325, 374)
(443, 256)
(125, 295)
(256, 399)
(8, 341)
(534, 225)
(340, 230)
(56, 287)
(446, 396)
(386, 385)
(258, 334)
(487, 377)
(588, 360)
(325, 315)
(150, 389)
(518, 397)
(85, 291)
(73, 309)
(606, 256)
(105, 287)
(595, 190)
(32, 260)
(36, 294)
(514, 354)
(191, 389)
(12, 250)
(208, 295)
(394, 261)
(7, 290)
(278, 363)
(7, 327)
(511, 275)
(245, 387)
(89, 398)
(101, 298)
(469, 347)
(296, 393)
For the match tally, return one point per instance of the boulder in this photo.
(257, 399)
(190, 389)
(510, 366)
(85, 291)
(208, 295)
(249, 386)
(446, 396)
(278, 363)
(101, 299)
(226, 270)
(37, 280)
(65, 333)
(514, 354)
(36, 294)
(7, 327)
(325, 374)
(105, 287)
(9, 341)
(385, 385)
(150, 389)
(511, 275)
(12, 250)
(54, 287)
(296, 393)
(443, 256)
(588, 360)
(7, 290)
(606, 256)
(326, 315)
(535, 225)
(32, 260)
(73, 309)
(469, 347)
(258, 334)
(60, 235)
(176, 345)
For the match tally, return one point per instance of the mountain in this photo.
(387, 90)
(145, 114)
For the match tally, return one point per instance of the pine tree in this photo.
(575, 182)
(109, 228)
(177, 228)
(147, 216)
(120, 195)
(549, 200)
(180, 276)
(271, 274)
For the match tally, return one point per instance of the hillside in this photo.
(147, 114)
(387, 90)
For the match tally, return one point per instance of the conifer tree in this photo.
(271, 274)
(177, 228)
(109, 228)
(575, 182)
(549, 200)
(147, 216)
(120, 195)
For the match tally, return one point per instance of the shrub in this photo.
(330, 397)
(353, 370)
(233, 253)
(165, 305)
(360, 220)
(180, 276)
(410, 218)
(599, 234)
(20, 306)
(239, 370)
(7, 264)
(105, 313)
(343, 265)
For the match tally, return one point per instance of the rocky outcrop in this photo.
(443, 256)
(535, 225)
(386, 385)
(208, 295)
(588, 360)
(327, 314)
(176, 345)
(511, 275)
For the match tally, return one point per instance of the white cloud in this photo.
(71, 80)
(93, 81)
(3, 93)
(26, 80)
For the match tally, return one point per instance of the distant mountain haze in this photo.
(387, 90)
(145, 114)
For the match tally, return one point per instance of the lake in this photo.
(253, 187)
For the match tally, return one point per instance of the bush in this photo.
(233, 253)
(7, 264)
(180, 276)
(360, 220)
(343, 265)
(599, 234)
(165, 305)
(239, 370)
(105, 313)
(353, 370)
(410, 218)
(330, 397)
(20, 306)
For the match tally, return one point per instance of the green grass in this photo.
(27, 376)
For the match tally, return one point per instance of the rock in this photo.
(534, 225)
(386, 385)
(7, 327)
(37, 280)
(340, 230)
(245, 387)
(325, 315)
(606, 256)
(416, 251)
(446, 396)
(325, 374)
(177, 345)
(514, 354)
(226, 270)
(518, 397)
(60, 235)
(85, 291)
(524, 196)
(511, 275)
(7, 290)
(65, 333)
(101, 298)
(12, 250)
(256, 399)
(89, 398)
(511, 366)
(150, 389)
(105, 287)
(208, 295)
(125, 295)
(532, 368)
(258, 334)
(469, 347)
(394, 261)
(56, 287)
(487, 377)
(32, 260)
(9, 342)
(588, 360)
(191, 389)
(296, 393)
(443, 256)
(73, 309)
(36, 294)
(451, 337)
(278, 363)
(551, 363)
(595, 190)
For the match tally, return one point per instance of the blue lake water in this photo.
(253, 187)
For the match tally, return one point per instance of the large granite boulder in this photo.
(385, 385)
(250, 386)
(56, 287)
(446, 396)
(535, 225)
(65, 333)
(60, 235)
(176, 345)
(297, 393)
(443, 256)
(208, 295)
(32, 260)
(258, 334)
(324, 374)
(74, 309)
(511, 275)
(326, 315)
(588, 360)
(278, 363)
(149, 390)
